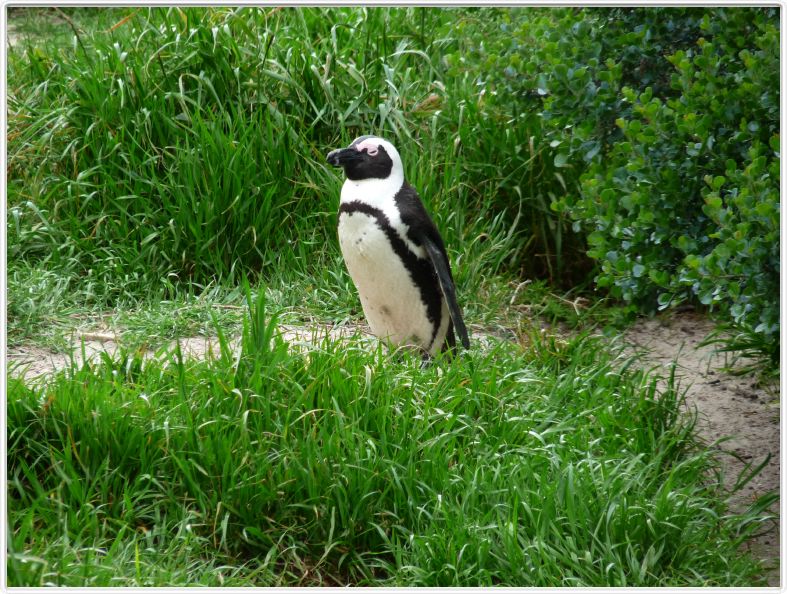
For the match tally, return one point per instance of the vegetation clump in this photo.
(664, 125)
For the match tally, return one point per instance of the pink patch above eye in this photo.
(370, 147)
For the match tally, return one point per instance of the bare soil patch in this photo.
(30, 361)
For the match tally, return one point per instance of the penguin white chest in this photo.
(391, 300)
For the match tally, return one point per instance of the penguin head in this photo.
(368, 157)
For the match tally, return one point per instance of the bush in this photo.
(686, 205)
(551, 79)
(664, 125)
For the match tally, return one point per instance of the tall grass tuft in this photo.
(184, 146)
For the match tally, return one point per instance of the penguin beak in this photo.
(339, 157)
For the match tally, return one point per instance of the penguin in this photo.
(394, 252)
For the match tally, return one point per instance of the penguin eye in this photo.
(372, 151)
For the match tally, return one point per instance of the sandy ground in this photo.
(728, 405)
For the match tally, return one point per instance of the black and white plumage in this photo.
(393, 251)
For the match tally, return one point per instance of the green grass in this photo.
(54, 27)
(550, 465)
(166, 150)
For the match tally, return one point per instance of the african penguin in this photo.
(393, 251)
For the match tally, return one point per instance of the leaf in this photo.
(594, 150)
(561, 160)
(664, 300)
(713, 201)
(693, 261)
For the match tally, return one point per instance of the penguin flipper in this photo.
(440, 264)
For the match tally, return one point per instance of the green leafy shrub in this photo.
(663, 127)
(549, 85)
(686, 205)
